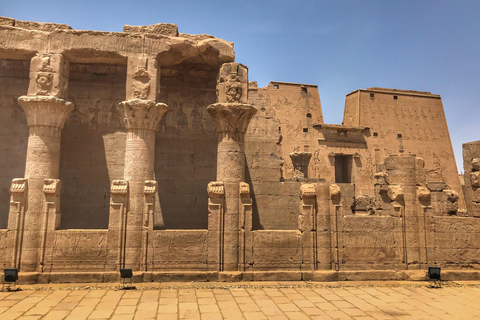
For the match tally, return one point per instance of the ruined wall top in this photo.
(23, 39)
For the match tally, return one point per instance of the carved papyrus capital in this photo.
(216, 189)
(231, 119)
(300, 161)
(45, 111)
(142, 114)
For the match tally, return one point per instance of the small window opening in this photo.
(372, 95)
(279, 128)
(395, 97)
(305, 129)
(375, 134)
(399, 135)
(304, 89)
(275, 86)
(309, 115)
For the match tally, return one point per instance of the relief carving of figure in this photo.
(141, 83)
(233, 88)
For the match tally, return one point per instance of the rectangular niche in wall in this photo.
(185, 146)
(343, 169)
(93, 144)
(14, 79)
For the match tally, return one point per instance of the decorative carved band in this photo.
(150, 187)
(244, 190)
(231, 119)
(216, 189)
(19, 185)
(142, 114)
(52, 186)
(119, 187)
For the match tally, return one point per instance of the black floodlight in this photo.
(10, 277)
(434, 274)
(124, 275)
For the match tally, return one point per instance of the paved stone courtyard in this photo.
(258, 300)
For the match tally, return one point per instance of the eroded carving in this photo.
(150, 187)
(119, 187)
(300, 161)
(18, 185)
(244, 190)
(215, 189)
(51, 186)
(395, 193)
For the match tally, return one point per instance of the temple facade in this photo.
(150, 149)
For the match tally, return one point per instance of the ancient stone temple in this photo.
(150, 149)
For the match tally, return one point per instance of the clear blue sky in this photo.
(339, 45)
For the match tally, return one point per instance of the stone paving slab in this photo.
(245, 300)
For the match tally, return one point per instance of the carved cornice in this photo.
(150, 187)
(244, 190)
(142, 114)
(231, 119)
(119, 187)
(45, 111)
(52, 186)
(19, 185)
(308, 190)
(216, 189)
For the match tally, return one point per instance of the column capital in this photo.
(231, 119)
(142, 114)
(300, 160)
(46, 111)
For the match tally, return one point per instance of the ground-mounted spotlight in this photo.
(10, 277)
(126, 274)
(434, 274)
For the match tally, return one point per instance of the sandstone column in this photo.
(46, 114)
(231, 115)
(142, 116)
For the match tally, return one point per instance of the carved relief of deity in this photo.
(233, 89)
(141, 83)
